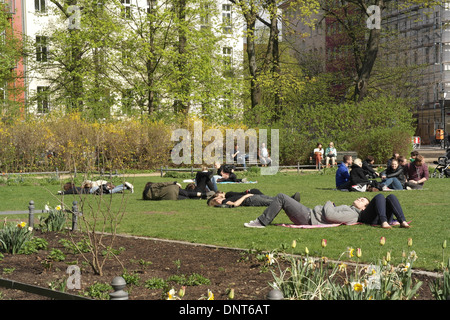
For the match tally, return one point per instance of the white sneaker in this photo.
(385, 188)
(129, 186)
(254, 224)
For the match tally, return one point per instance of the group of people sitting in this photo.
(329, 153)
(400, 174)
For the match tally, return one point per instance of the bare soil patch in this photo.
(150, 258)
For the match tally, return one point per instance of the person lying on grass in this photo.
(247, 198)
(95, 187)
(171, 191)
(378, 211)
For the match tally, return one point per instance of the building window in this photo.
(205, 19)
(151, 6)
(227, 56)
(226, 18)
(41, 48)
(126, 9)
(39, 6)
(42, 99)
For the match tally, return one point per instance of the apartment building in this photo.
(34, 19)
(425, 35)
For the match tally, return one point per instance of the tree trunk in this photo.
(365, 71)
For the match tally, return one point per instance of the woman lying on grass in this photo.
(379, 211)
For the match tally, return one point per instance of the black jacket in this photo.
(357, 175)
(390, 173)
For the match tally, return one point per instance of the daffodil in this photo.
(357, 286)
(342, 267)
(171, 294)
(351, 252)
(210, 295)
(21, 225)
(270, 258)
(413, 256)
(406, 267)
(58, 208)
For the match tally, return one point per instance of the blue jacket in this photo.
(342, 175)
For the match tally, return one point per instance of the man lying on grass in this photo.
(379, 211)
(247, 198)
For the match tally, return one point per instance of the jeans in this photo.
(258, 200)
(297, 212)
(381, 210)
(392, 183)
(116, 189)
(214, 182)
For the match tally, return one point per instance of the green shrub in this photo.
(13, 237)
(55, 221)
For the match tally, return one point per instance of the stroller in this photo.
(443, 166)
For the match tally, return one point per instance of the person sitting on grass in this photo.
(367, 166)
(416, 173)
(343, 174)
(379, 210)
(393, 177)
(358, 178)
(171, 191)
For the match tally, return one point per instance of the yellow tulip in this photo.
(294, 244)
(409, 242)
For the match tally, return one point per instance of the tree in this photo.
(267, 12)
(364, 42)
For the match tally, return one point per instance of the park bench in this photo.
(339, 157)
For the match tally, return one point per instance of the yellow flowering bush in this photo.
(66, 142)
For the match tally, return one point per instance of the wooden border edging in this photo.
(57, 295)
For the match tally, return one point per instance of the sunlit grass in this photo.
(193, 221)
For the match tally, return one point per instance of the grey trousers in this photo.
(297, 212)
(258, 200)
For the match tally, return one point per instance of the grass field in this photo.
(193, 221)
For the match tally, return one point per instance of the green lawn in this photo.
(193, 221)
